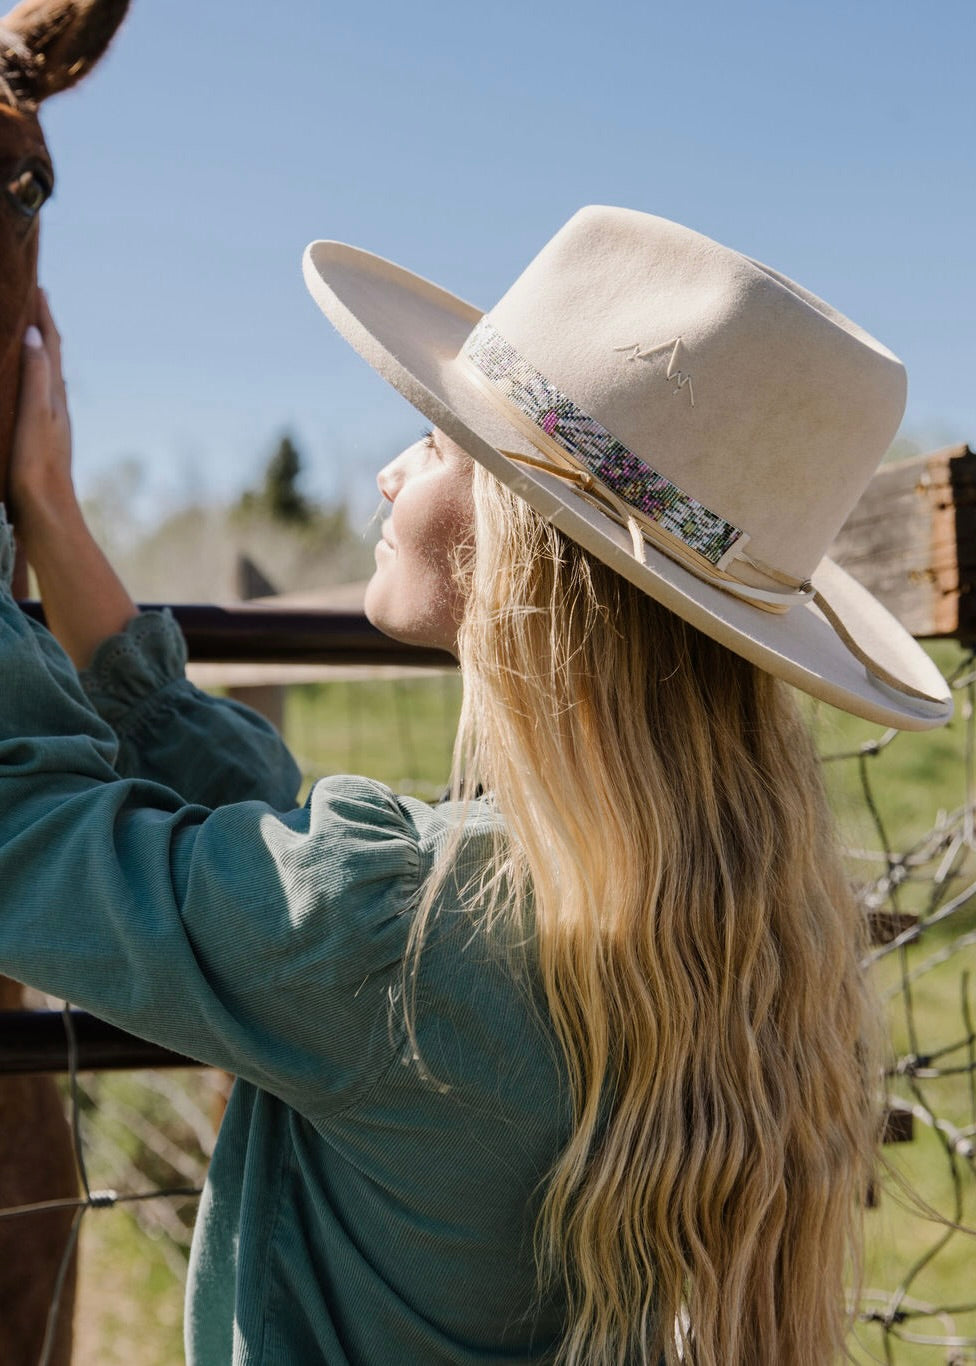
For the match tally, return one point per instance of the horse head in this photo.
(45, 47)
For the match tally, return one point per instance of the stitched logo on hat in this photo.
(682, 378)
(588, 443)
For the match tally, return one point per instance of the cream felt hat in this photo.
(692, 418)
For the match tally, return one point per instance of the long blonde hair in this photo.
(669, 841)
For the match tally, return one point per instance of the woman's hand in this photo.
(40, 485)
(84, 600)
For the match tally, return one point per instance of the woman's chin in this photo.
(374, 616)
(384, 618)
(409, 630)
(426, 620)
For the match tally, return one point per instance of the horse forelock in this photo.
(13, 43)
(18, 65)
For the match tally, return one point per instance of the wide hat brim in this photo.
(411, 332)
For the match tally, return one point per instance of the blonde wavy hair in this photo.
(668, 841)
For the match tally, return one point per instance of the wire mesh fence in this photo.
(907, 806)
(916, 879)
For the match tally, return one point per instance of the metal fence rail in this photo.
(250, 634)
(33, 1041)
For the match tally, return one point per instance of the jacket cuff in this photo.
(135, 665)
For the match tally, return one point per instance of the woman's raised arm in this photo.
(208, 749)
(84, 599)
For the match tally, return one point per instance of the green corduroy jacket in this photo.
(154, 869)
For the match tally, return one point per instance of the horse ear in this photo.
(52, 44)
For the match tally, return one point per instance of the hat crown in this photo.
(754, 396)
(690, 417)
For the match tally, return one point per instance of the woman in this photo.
(582, 1069)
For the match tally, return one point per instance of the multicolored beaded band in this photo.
(593, 456)
(703, 532)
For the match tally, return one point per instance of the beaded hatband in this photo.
(701, 531)
(634, 490)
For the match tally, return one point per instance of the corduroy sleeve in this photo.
(210, 750)
(265, 943)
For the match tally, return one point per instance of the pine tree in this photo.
(280, 494)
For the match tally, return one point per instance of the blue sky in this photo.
(835, 141)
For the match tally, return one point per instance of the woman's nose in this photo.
(391, 477)
(387, 481)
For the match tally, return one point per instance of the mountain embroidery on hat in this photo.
(682, 377)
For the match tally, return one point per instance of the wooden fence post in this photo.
(267, 698)
(911, 541)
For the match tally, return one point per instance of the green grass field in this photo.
(400, 730)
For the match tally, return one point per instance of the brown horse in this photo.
(45, 46)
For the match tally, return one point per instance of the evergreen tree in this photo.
(280, 494)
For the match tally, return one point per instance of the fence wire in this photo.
(145, 1144)
(917, 885)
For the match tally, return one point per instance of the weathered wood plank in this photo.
(268, 699)
(912, 541)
